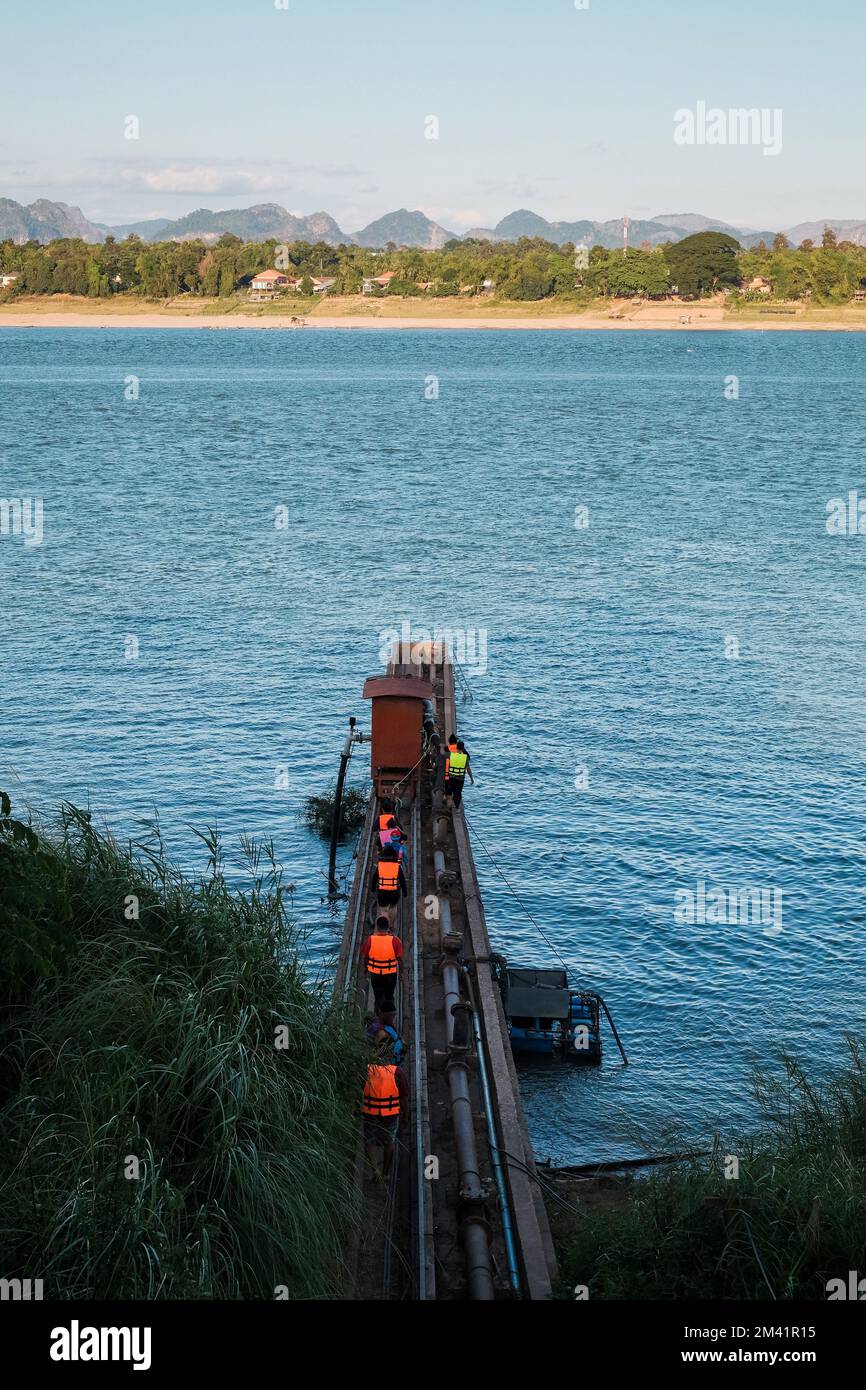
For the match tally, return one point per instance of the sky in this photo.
(325, 105)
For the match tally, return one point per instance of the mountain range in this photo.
(45, 221)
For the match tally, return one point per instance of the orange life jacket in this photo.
(389, 875)
(382, 959)
(381, 1096)
(452, 748)
(384, 819)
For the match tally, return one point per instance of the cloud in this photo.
(189, 178)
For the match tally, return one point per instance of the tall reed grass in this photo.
(155, 1141)
(792, 1220)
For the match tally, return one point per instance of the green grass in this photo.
(793, 1219)
(155, 1038)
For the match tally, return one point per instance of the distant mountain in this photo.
(846, 230)
(524, 223)
(148, 230)
(669, 227)
(695, 222)
(44, 221)
(404, 229)
(258, 223)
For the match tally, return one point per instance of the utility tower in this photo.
(624, 237)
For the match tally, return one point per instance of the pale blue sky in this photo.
(322, 106)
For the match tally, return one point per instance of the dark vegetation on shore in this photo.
(794, 1218)
(317, 812)
(528, 269)
(139, 1021)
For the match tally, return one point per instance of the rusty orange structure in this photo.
(396, 731)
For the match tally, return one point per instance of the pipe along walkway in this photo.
(461, 1216)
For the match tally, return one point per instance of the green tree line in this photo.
(528, 269)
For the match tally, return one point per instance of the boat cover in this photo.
(538, 993)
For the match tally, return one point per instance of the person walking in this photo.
(382, 953)
(390, 882)
(385, 1091)
(458, 767)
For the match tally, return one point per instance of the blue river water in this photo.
(664, 644)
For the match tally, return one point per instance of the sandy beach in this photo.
(666, 315)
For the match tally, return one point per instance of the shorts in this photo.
(387, 899)
(454, 790)
(381, 1129)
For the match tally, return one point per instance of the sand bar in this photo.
(652, 316)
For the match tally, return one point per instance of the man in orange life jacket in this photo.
(390, 882)
(385, 814)
(386, 1087)
(383, 953)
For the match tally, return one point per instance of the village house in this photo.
(378, 282)
(7, 279)
(322, 283)
(760, 284)
(268, 282)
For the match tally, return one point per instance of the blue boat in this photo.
(546, 1017)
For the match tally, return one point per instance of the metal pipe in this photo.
(613, 1028)
(360, 900)
(478, 1262)
(450, 970)
(421, 1189)
(502, 1191)
(337, 815)
(451, 983)
(473, 1230)
(464, 1131)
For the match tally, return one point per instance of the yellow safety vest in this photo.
(457, 766)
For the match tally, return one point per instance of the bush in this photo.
(404, 287)
(794, 1218)
(317, 812)
(139, 1025)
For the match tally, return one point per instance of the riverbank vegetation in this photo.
(178, 1102)
(792, 1220)
(528, 270)
(317, 812)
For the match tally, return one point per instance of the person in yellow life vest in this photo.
(385, 1088)
(449, 748)
(382, 953)
(458, 768)
(390, 882)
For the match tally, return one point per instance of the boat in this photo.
(546, 1017)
